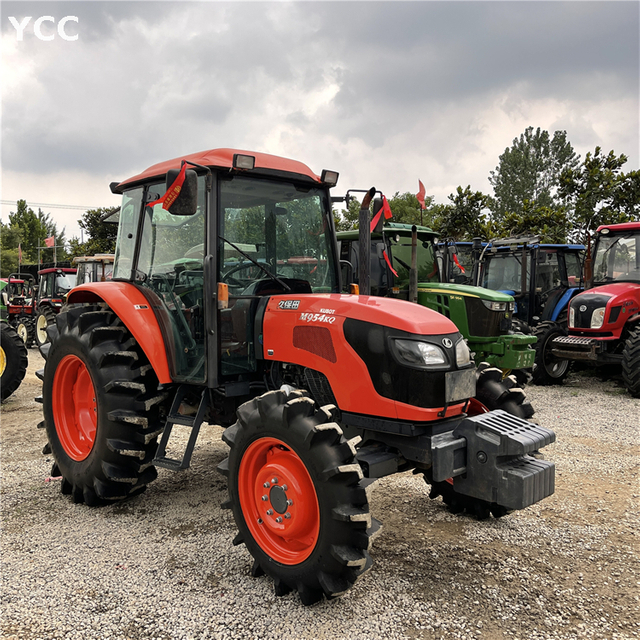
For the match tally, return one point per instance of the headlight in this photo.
(572, 317)
(463, 355)
(597, 319)
(419, 354)
(512, 306)
(495, 306)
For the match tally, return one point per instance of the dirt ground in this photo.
(568, 567)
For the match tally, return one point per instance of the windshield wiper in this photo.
(260, 266)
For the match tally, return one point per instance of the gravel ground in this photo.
(162, 566)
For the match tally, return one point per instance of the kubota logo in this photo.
(447, 343)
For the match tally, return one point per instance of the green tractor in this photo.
(482, 316)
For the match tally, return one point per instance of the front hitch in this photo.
(487, 457)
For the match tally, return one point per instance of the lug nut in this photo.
(284, 487)
(278, 519)
(259, 520)
(287, 516)
(289, 501)
(266, 485)
(265, 498)
(274, 480)
(270, 512)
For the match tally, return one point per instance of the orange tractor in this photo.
(225, 307)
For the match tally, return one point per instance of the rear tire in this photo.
(101, 410)
(631, 363)
(13, 361)
(320, 543)
(548, 369)
(492, 392)
(44, 319)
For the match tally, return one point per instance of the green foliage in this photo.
(600, 193)
(530, 171)
(551, 224)
(101, 237)
(466, 217)
(29, 230)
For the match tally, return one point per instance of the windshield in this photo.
(617, 257)
(64, 282)
(425, 257)
(503, 273)
(275, 230)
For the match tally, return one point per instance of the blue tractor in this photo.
(542, 278)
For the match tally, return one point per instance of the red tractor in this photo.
(604, 321)
(225, 307)
(19, 299)
(53, 286)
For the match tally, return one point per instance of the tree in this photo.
(600, 193)
(406, 209)
(101, 236)
(32, 230)
(530, 171)
(551, 225)
(466, 217)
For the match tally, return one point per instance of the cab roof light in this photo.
(329, 178)
(241, 161)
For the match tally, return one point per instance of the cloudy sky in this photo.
(386, 93)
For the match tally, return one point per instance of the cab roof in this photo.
(223, 159)
(623, 226)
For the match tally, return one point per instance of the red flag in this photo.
(386, 209)
(19, 252)
(386, 258)
(50, 241)
(455, 259)
(421, 194)
(173, 191)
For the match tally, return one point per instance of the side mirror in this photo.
(186, 204)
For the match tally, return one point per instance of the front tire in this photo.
(13, 361)
(44, 319)
(101, 410)
(297, 496)
(548, 369)
(26, 331)
(631, 363)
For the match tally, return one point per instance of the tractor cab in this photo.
(205, 270)
(541, 277)
(96, 268)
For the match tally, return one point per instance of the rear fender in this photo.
(130, 305)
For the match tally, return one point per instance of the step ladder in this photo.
(175, 417)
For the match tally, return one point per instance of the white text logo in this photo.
(37, 27)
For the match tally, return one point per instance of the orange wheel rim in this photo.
(279, 501)
(75, 411)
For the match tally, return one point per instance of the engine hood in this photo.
(614, 292)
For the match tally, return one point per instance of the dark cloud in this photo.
(148, 80)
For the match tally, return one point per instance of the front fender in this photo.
(130, 305)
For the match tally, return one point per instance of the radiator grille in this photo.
(316, 340)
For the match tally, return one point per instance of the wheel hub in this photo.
(278, 498)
